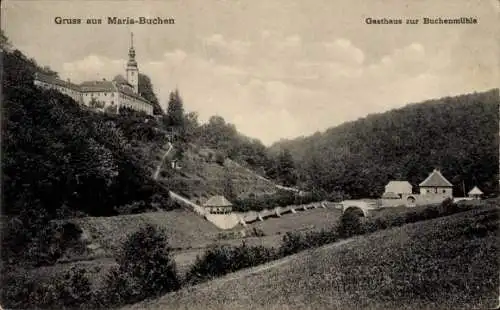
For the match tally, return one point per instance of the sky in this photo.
(276, 69)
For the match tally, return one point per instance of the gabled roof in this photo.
(217, 201)
(436, 179)
(398, 186)
(475, 191)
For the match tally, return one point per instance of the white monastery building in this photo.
(103, 95)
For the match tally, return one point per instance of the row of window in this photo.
(435, 191)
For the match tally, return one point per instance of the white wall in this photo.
(440, 191)
(109, 98)
(76, 95)
(133, 103)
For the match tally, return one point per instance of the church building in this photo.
(103, 95)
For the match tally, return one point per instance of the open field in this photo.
(188, 233)
(302, 220)
(445, 263)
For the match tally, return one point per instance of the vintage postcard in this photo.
(217, 154)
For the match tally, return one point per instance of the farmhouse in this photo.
(436, 184)
(218, 205)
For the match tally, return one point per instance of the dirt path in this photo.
(291, 189)
(158, 169)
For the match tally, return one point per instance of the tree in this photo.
(286, 168)
(229, 191)
(146, 90)
(175, 111)
(4, 41)
(146, 268)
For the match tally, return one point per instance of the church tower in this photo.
(132, 69)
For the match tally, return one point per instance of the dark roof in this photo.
(217, 201)
(436, 179)
(98, 86)
(55, 81)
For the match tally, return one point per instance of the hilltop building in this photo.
(103, 95)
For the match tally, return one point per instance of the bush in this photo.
(72, 290)
(222, 259)
(350, 224)
(220, 158)
(292, 243)
(215, 262)
(146, 268)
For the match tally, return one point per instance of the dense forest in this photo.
(459, 135)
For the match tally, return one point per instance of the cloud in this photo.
(93, 67)
(286, 87)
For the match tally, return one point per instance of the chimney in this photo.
(103, 79)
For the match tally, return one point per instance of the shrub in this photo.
(71, 290)
(215, 262)
(291, 243)
(219, 260)
(146, 268)
(350, 224)
(220, 158)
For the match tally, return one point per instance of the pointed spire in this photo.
(131, 52)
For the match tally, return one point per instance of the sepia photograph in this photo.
(237, 154)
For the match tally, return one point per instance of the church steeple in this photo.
(132, 69)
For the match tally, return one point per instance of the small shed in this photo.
(218, 205)
(475, 193)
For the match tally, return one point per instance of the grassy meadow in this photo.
(444, 263)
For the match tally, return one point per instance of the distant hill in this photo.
(415, 266)
(459, 135)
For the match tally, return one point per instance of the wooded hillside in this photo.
(58, 157)
(459, 135)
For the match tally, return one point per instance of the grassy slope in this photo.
(184, 228)
(202, 177)
(435, 264)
